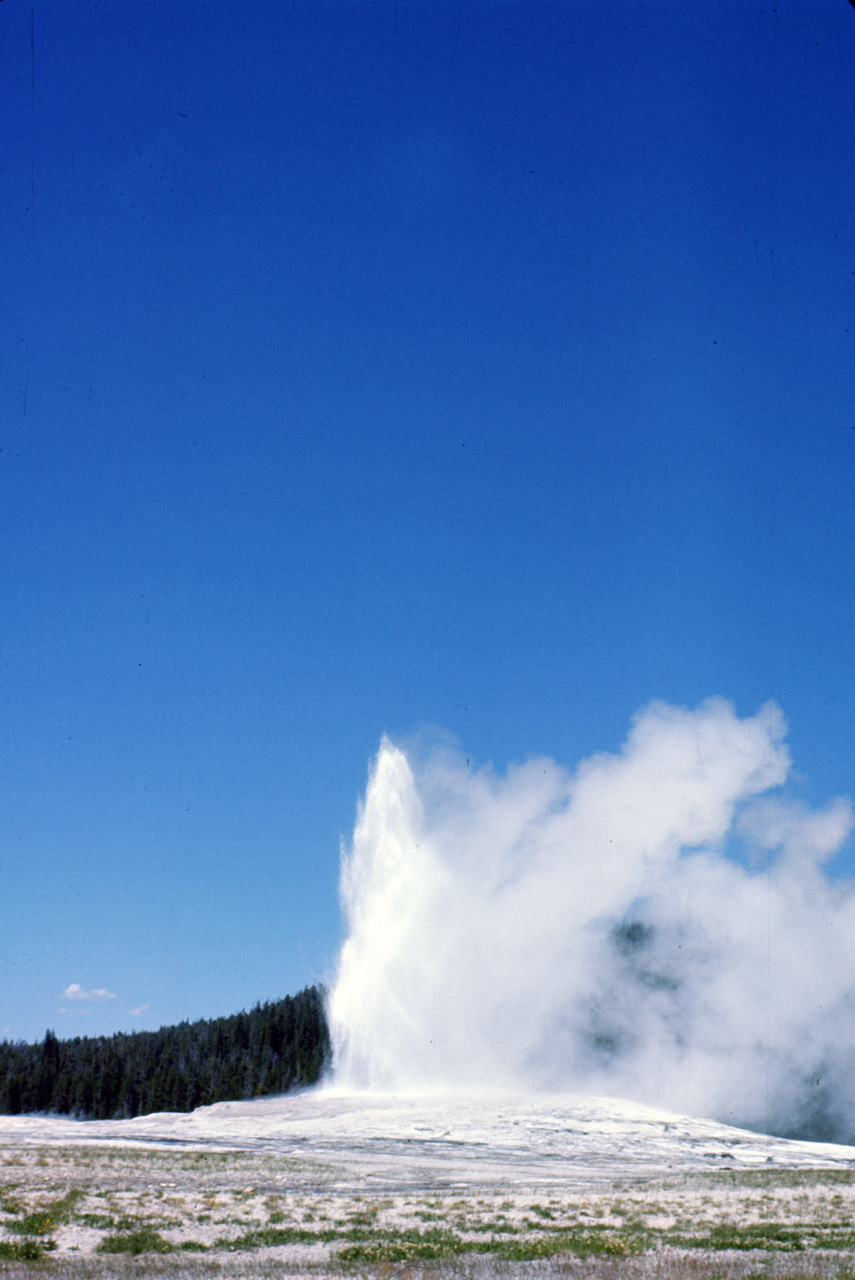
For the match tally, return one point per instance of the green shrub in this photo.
(40, 1223)
(143, 1240)
(23, 1250)
(403, 1246)
(267, 1237)
(598, 1244)
(765, 1235)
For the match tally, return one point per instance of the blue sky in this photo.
(369, 366)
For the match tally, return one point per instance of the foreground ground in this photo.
(420, 1190)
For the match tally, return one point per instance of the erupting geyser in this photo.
(656, 924)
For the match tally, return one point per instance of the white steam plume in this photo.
(589, 930)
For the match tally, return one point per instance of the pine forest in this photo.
(275, 1047)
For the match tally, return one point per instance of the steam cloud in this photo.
(656, 924)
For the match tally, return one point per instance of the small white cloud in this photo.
(76, 992)
(140, 1009)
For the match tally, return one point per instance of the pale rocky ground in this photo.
(338, 1172)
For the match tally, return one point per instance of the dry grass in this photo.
(665, 1265)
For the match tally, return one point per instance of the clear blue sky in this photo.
(372, 365)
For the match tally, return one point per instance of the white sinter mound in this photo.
(451, 1138)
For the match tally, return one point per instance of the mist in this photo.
(657, 924)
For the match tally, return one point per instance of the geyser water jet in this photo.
(656, 924)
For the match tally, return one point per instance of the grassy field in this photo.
(109, 1211)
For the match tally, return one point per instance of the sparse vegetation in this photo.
(91, 1213)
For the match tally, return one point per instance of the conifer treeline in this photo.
(275, 1047)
